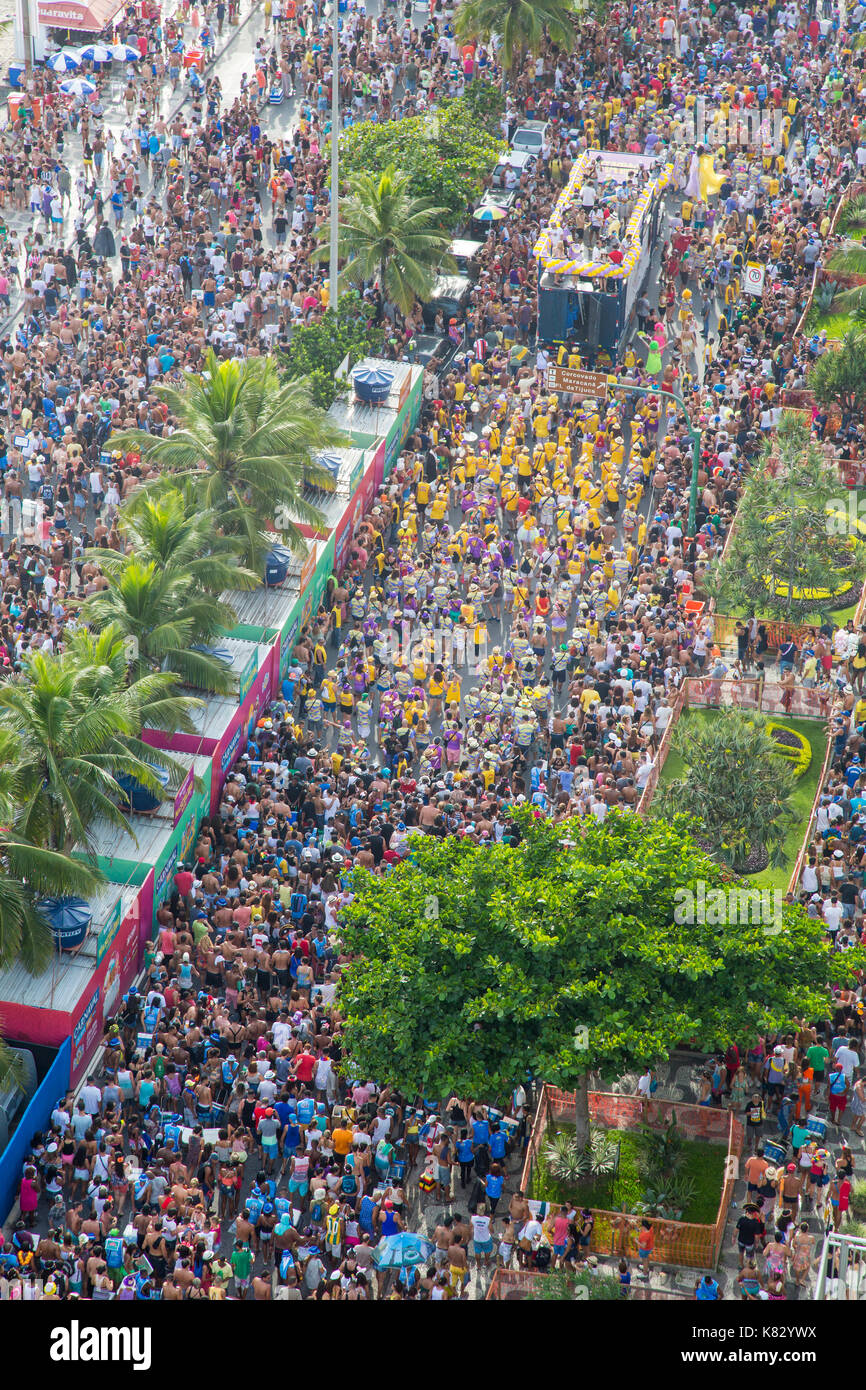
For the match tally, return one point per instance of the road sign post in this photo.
(576, 382)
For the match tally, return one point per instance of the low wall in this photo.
(691, 1244)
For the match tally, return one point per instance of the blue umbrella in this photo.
(78, 87)
(402, 1251)
(124, 53)
(64, 61)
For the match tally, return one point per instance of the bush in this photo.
(562, 1287)
(316, 350)
(857, 1201)
(661, 1153)
(792, 746)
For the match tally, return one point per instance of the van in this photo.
(450, 294)
(530, 136)
(465, 255)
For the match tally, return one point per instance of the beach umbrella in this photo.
(402, 1251)
(78, 87)
(64, 61)
(489, 212)
(123, 53)
(96, 53)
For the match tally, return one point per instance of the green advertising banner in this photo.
(247, 677)
(109, 929)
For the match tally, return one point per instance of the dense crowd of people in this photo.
(511, 625)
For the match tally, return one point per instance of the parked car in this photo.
(516, 162)
(450, 294)
(530, 136)
(465, 255)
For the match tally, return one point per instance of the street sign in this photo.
(753, 277)
(578, 382)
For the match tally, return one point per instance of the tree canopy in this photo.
(246, 441)
(736, 784)
(477, 964)
(317, 349)
(446, 155)
(389, 234)
(792, 553)
(839, 375)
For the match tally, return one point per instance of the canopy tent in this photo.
(91, 18)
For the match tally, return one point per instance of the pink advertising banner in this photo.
(233, 740)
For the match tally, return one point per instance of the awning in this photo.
(74, 14)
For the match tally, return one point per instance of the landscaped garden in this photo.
(706, 723)
(656, 1173)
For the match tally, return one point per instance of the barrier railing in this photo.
(692, 1244)
(794, 880)
(510, 1284)
(652, 781)
(753, 692)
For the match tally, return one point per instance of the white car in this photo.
(530, 137)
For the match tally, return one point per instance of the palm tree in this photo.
(78, 722)
(519, 24)
(387, 233)
(167, 618)
(27, 871)
(169, 529)
(245, 440)
(164, 594)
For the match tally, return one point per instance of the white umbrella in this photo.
(96, 53)
(123, 53)
(64, 61)
(78, 87)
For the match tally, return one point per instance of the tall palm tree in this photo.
(387, 233)
(168, 618)
(78, 722)
(245, 439)
(519, 24)
(26, 871)
(170, 529)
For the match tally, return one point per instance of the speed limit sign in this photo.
(753, 277)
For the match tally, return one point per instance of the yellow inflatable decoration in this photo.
(709, 181)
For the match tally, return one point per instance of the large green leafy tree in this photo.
(446, 155)
(735, 784)
(245, 439)
(791, 554)
(473, 965)
(389, 235)
(519, 24)
(78, 721)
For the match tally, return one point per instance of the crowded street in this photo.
(518, 616)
